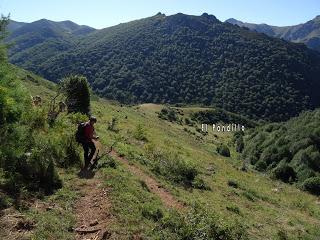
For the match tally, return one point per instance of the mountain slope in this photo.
(191, 59)
(307, 33)
(37, 41)
(265, 208)
(14, 25)
(290, 150)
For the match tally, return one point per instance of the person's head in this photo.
(93, 120)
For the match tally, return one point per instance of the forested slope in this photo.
(190, 59)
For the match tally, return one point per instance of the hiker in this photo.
(88, 145)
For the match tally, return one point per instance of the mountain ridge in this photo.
(307, 33)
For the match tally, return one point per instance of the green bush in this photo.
(304, 173)
(312, 185)
(72, 153)
(107, 161)
(198, 223)
(188, 122)
(112, 125)
(36, 119)
(233, 183)
(199, 183)
(285, 173)
(169, 114)
(76, 89)
(261, 165)
(249, 195)
(223, 150)
(171, 166)
(234, 209)
(152, 212)
(39, 170)
(140, 133)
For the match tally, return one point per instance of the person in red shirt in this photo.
(88, 145)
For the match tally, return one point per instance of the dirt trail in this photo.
(92, 211)
(166, 197)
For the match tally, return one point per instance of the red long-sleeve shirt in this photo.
(89, 131)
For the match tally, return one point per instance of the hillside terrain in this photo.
(40, 40)
(158, 175)
(290, 151)
(219, 198)
(183, 59)
(307, 33)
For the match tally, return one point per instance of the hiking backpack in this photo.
(80, 137)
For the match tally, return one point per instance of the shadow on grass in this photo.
(86, 173)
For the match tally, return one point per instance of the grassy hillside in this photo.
(187, 59)
(220, 199)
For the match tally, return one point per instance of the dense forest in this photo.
(290, 151)
(34, 43)
(187, 59)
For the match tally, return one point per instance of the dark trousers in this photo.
(89, 149)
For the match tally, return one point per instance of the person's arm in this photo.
(95, 136)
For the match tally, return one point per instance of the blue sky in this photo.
(104, 13)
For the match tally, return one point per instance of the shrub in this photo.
(171, 166)
(188, 122)
(140, 133)
(238, 140)
(249, 195)
(169, 114)
(72, 153)
(198, 223)
(112, 125)
(233, 184)
(199, 183)
(285, 173)
(261, 165)
(234, 209)
(181, 172)
(304, 173)
(223, 150)
(282, 235)
(107, 161)
(312, 185)
(4, 201)
(39, 170)
(152, 212)
(76, 89)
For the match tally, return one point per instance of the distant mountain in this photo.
(180, 59)
(307, 33)
(13, 25)
(35, 42)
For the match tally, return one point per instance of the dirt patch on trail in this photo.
(92, 211)
(166, 197)
(14, 225)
